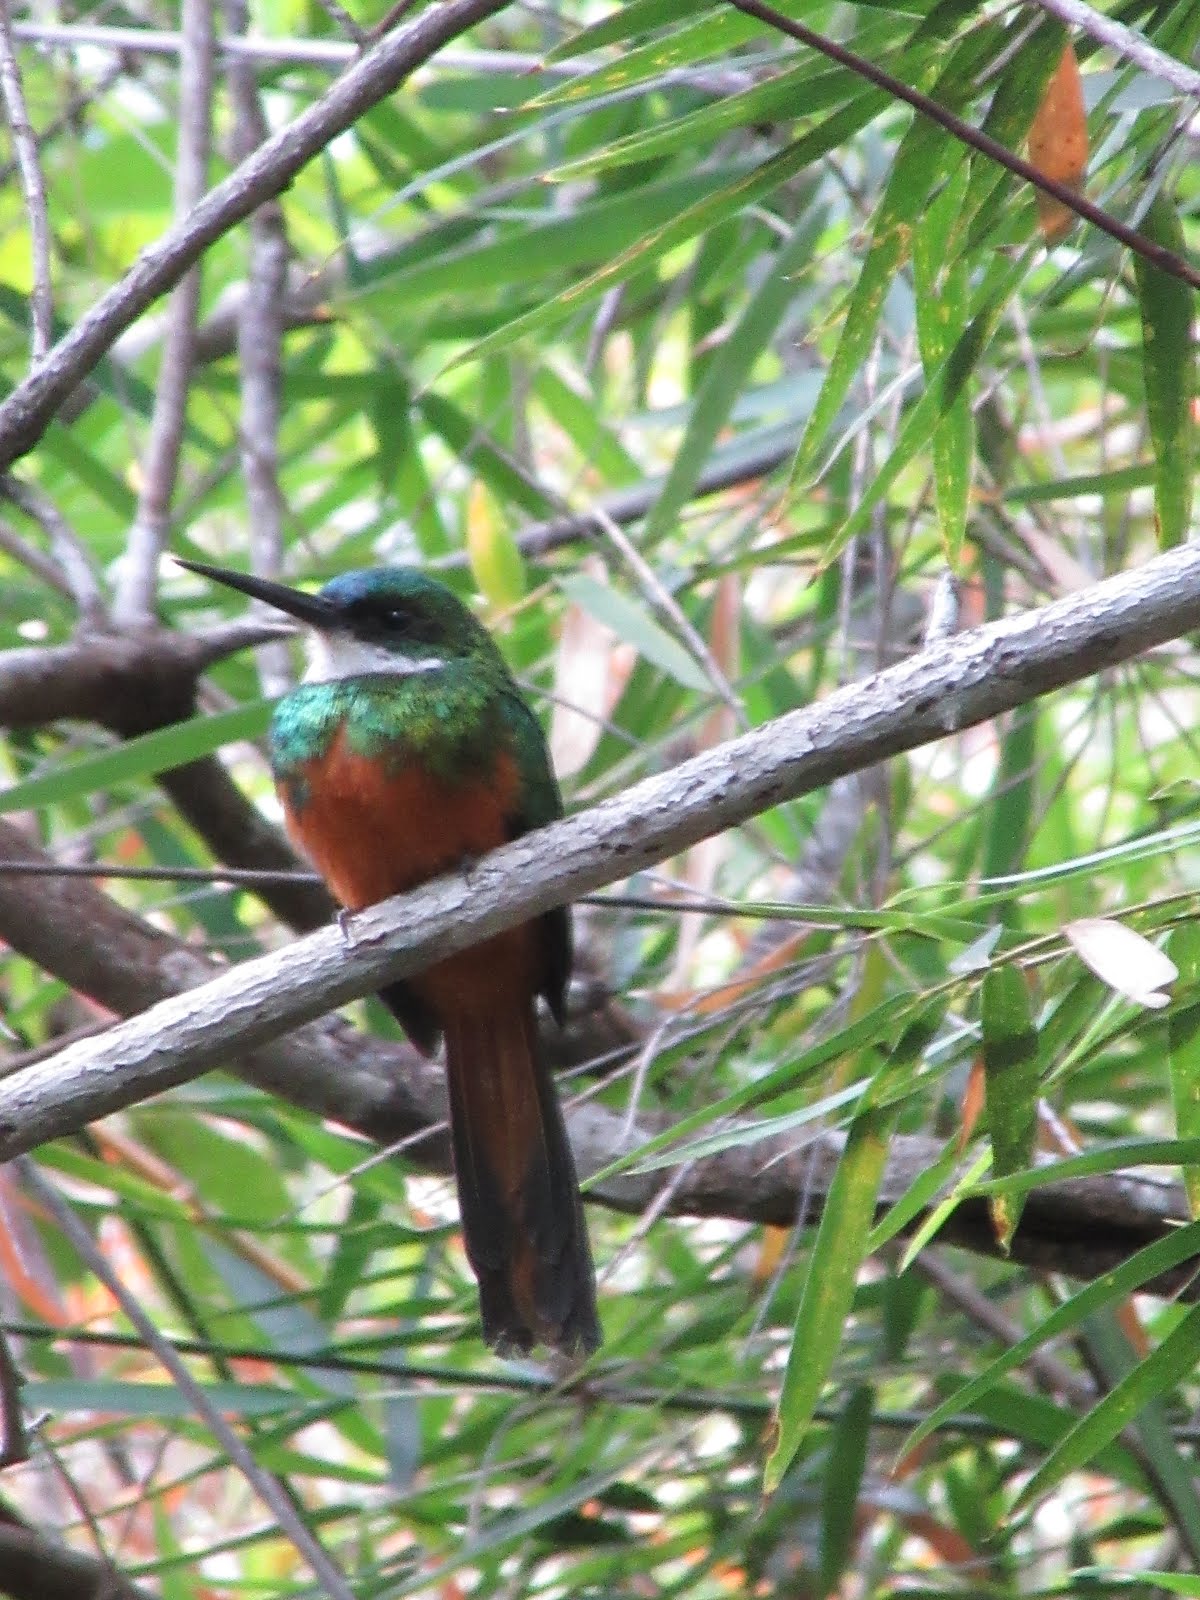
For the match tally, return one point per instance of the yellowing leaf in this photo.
(492, 551)
(1126, 961)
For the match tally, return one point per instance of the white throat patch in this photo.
(341, 655)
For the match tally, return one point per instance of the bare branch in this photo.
(14, 1442)
(25, 151)
(125, 683)
(133, 606)
(389, 1094)
(268, 1488)
(331, 54)
(260, 346)
(32, 1568)
(26, 412)
(69, 555)
(952, 686)
(1127, 43)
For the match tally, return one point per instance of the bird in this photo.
(408, 751)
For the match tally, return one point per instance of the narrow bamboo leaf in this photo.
(702, 36)
(919, 1194)
(924, 156)
(843, 1479)
(935, 401)
(495, 558)
(1010, 1069)
(1169, 369)
(578, 414)
(1010, 813)
(1153, 1378)
(1115, 1157)
(828, 1293)
(65, 1395)
(726, 377)
(1098, 1578)
(803, 89)
(631, 19)
(631, 622)
(1183, 1050)
(729, 201)
(1161, 1256)
(1111, 1350)
(942, 290)
(139, 758)
(966, 1185)
(523, 252)
(877, 1027)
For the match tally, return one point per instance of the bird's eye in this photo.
(399, 620)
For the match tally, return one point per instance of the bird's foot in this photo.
(345, 922)
(467, 867)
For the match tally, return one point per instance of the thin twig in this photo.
(660, 600)
(260, 358)
(331, 54)
(264, 1484)
(133, 605)
(71, 557)
(14, 1443)
(26, 412)
(25, 152)
(1127, 43)
(1158, 255)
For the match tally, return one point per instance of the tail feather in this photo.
(522, 1217)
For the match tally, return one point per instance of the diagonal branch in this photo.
(1164, 259)
(27, 411)
(942, 690)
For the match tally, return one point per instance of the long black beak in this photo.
(309, 608)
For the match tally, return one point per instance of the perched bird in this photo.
(409, 751)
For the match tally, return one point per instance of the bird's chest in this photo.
(375, 824)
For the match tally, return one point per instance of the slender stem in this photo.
(134, 603)
(41, 298)
(265, 1484)
(1166, 260)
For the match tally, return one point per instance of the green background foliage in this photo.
(593, 256)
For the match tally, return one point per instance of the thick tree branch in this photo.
(387, 1093)
(33, 1568)
(951, 686)
(27, 411)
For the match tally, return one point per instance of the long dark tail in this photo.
(521, 1212)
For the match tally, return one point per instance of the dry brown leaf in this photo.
(1058, 144)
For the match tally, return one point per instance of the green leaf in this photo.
(632, 622)
(731, 200)
(1148, 1263)
(1011, 1078)
(142, 757)
(828, 1293)
(726, 377)
(843, 1479)
(1169, 367)
(1183, 1050)
(942, 289)
(1153, 1378)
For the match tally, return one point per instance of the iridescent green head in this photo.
(375, 620)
